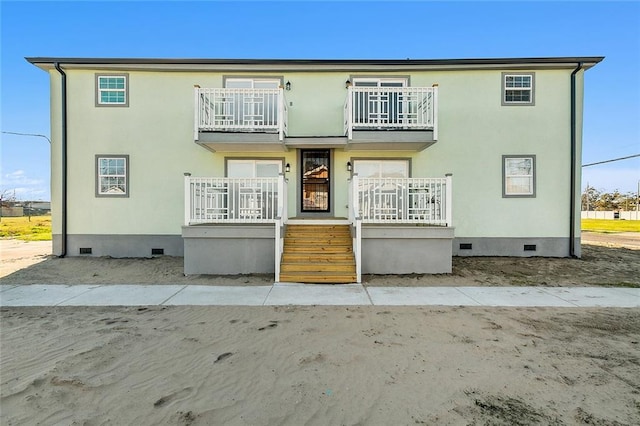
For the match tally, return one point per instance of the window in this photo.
(112, 172)
(254, 103)
(382, 103)
(518, 88)
(112, 90)
(381, 168)
(518, 176)
(251, 168)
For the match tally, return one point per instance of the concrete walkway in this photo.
(305, 294)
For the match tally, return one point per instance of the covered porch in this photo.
(239, 226)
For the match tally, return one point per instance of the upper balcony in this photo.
(406, 117)
(254, 118)
(375, 118)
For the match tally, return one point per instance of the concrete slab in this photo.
(7, 287)
(514, 296)
(415, 296)
(42, 295)
(305, 294)
(221, 296)
(597, 296)
(125, 295)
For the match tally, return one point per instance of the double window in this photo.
(381, 168)
(250, 168)
(112, 175)
(518, 88)
(382, 102)
(518, 176)
(254, 103)
(112, 90)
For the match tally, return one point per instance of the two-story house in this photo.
(316, 170)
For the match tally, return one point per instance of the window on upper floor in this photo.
(112, 90)
(255, 105)
(518, 176)
(112, 175)
(518, 88)
(381, 168)
(379, 103)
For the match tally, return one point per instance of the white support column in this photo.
(350, 113)
(278, 227)
(435, 112)
(358, 250)
(187, 199)
(449, 200)
(280, 117)
(196, 111)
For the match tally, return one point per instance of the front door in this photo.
(316, 179)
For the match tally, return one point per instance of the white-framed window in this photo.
(379, 105)
(112, 175)
(253, 168)
(518, 88)
(112, 90)
(518, 176)
(381, 168)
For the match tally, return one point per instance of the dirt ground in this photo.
(320, 365)
(607, 259)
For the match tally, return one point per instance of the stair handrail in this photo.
(356, 224)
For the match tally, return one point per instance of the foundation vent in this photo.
(466, 246)
(157, 251)
(529, 247)
(85, 250)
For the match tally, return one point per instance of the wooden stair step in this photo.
(291, 257)
(317, 241)
(318, 267)
(318, 278)
(317, 249)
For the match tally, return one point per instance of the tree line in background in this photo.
(593, 199)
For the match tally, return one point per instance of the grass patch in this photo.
(38, 229)
(608, 226)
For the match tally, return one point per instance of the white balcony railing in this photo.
(424, 201)
(388, 108)
(240, 110)
(234, 200)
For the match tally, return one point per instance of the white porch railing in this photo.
(234, 200)
(356, 225)
(240, 110)
(391, 108)
(424, 201)
(281, 221)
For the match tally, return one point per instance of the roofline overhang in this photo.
(174, 64)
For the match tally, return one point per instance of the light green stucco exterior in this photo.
(475, 130)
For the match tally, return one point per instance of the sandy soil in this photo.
(603, 264)
(323, 365)
(319, 365)
(16, 254)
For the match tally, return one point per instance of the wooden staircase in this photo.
(318, 254)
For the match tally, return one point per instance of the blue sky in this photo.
(323, 30)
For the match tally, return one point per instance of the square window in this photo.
(112, 175)
(518, 176)
(518, 88)
(112, 90)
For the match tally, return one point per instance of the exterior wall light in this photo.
(347, 84)
(287, 168)
(349, 166)
(287, 86)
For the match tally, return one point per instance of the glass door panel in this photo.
(315, 180)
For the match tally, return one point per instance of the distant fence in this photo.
(610, 215)
(12, 211)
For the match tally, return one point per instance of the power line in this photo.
(27, 134)
(610, 161)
